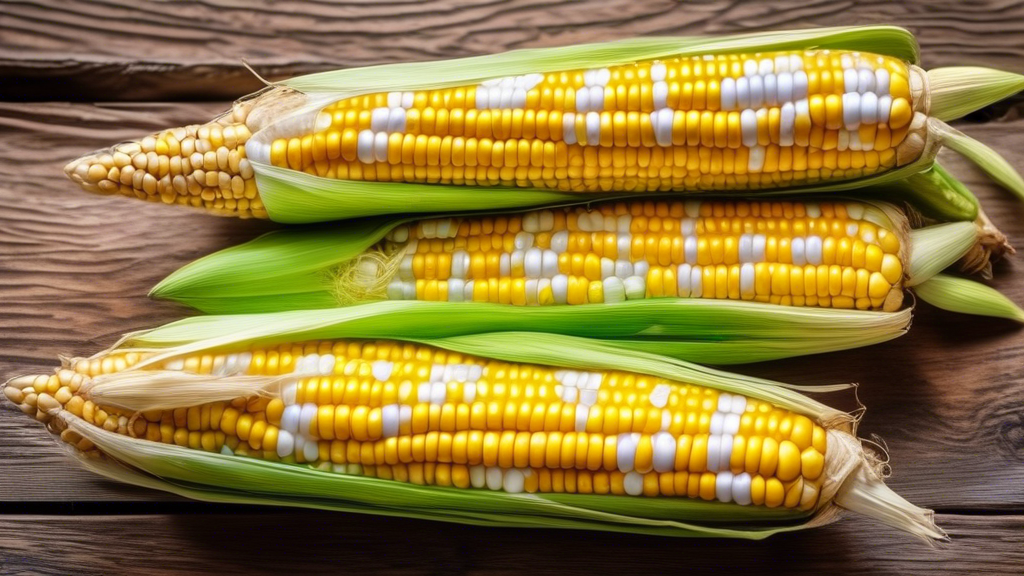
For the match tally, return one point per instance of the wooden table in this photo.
(76, 75)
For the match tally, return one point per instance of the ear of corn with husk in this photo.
(809, 110)
(664, 275)
(502, 429)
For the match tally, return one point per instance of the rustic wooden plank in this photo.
(76, 269)
(150, 50)
(280, 542)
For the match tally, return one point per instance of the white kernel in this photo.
(723, 486)
(379, 119)
(569, 128)
(625, 451)
(583, 100)
(659, 395)
(884, 105)
(560, 288)
(664, 452)
(636, 287)
(683, 280)
(757, 248)
(731, 425)
(657, 72)
(796, 247)
(717, 422)
(290, 418)
(747, 280)
(799, 85)
(593, 129)
(813, 250)
(748, 127)
(659, 92)
(784, 86)
(756, 160)
(771, 89)
(389, 416)
(623, 269)
(614, 289)
(633, 484)
(882, 82)
(740, 489)
(396, 120)
(662, 124)
(756, 91)
(714, 451)
(380, 146)
(850, 80)
(514, 481)
(326, 364)
(494, 478)
(696, 282)
(306, 417)
(787, 124)
(865, 81)
(851, 110)
(381, 370)
(477, 476)
(285, 443)
(364, 146)
(728, 94)
(743, 93)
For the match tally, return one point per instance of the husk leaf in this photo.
(967, 297)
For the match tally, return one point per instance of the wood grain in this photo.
(151, 49)
(75, 268)
(271, 542)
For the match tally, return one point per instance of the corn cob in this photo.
(840, 255)
(814, 254)
(687, 120)
(405, 413)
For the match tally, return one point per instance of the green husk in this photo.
(852, 481)
(260, 482)
(967, 297)
(987, 159)
(713, 331)
(887, 40)
(935, 248)
(957, 91)
(933, 193)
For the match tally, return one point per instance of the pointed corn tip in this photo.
(81, 172)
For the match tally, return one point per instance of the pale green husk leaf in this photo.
(968, 297)
(935, 248)
(957, 91)
(712, 331)
(987, 159)
(888, 40)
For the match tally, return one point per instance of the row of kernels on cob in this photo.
(428, 416)
(819, 254)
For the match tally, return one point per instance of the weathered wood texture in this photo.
(285, 543)
(153, 50)
(75, 269)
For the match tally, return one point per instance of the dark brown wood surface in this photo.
(948, 399)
